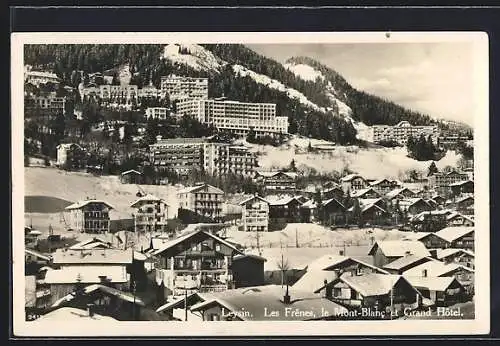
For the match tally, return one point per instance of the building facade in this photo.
(255, 214)
(151, 214)
(401, 132)
(184, 155)
(123, 94)
(180, 87)
(205, 200)
(441, 182)
(89, 216)
(277, 182)
(156, 113)
(40, 77)
(236, 117)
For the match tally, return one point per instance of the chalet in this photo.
(458, 237)
(333, 192)
(309, 212)
(131, 177)
(254, 213)
(440, 200)
(457, 256)
(386, 251)
(365, 193)
(88, 216)
(277, 182)
(404, 263)
(441, 181)
(353, 182)
(414, 206)
(196, 261)
(384, 186)
(464, 205)
(372, 211)
(456, 219)
(430, 221)
(284, 209)
(323, 271)
(400, 194)
(332, 212)
(270, 302)
(202, 200)
(104, 300)
(70, 155)
(443, 291)
(151, 214)
(380, 292)
(462, 188)
(429, 239)
(248, 270)
(436, 268)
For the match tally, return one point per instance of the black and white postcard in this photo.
(171, 184)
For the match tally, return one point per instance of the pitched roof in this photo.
(350, 177)
(81, 204)
(460, 200)
(92, 256)
(38, 254)
(371, 284)
(400, 248)
(460, 183)
(443, 253)
(195, 188)
(184, 237)
(87, 274)
(131, 171)
(273, 200)
(453, 233)
(405, 261)
(249, 255)
(434, 268)
(249, 198)
(431, 283)
(326, 202)
(147, 198)
(408, 202)
(256, 300)
(361, 192)
(455, 214)
(125, 296)
(71, 315)
(395, 192)
(269, 174)
(89, 244)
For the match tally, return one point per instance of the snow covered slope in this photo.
(305, 72)
(192, 55)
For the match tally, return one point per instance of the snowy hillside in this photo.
(305, 72)
(192, 55)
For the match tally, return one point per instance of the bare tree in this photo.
(257, 240)
(283, 266)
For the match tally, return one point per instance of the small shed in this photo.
(131, 177)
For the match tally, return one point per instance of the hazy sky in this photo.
(433, 78)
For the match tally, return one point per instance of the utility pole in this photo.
(185, 300)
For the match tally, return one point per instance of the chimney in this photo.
(90, 309)
(424, 273)
(433, 253)
(103, 278)
(408, 253)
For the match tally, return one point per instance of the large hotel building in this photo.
(401, 132)
(179, 87)
(184, 155)
(234, 116)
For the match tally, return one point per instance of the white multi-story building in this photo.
(186, 154)
(49, 101)
(156, 113)
(40, 77)
(234, 116)
(151, 214)
(180, 87)
(124, 93)
(401, 132)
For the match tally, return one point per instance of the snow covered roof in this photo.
(405, 261)
(434, 268)
(38, 254)
(92, 256)
(256, 300)
(400, 248)
(269, 174)
(443, 253)
(184, 237)
(131, 171)
(311, 204)
(460, 183)
(432, 283)
(212, 189)
(81, 204)
(125, 296)
(328, 201)
(453, 233)
(71, 315)
(371, 284)
(276, 200)
(408, 202)
(147, 198)
(395, 192)
(89, 244)
(455, 214)
(361, 192)
(350, 177)
(87, 274)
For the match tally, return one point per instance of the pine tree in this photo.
(432, 169)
